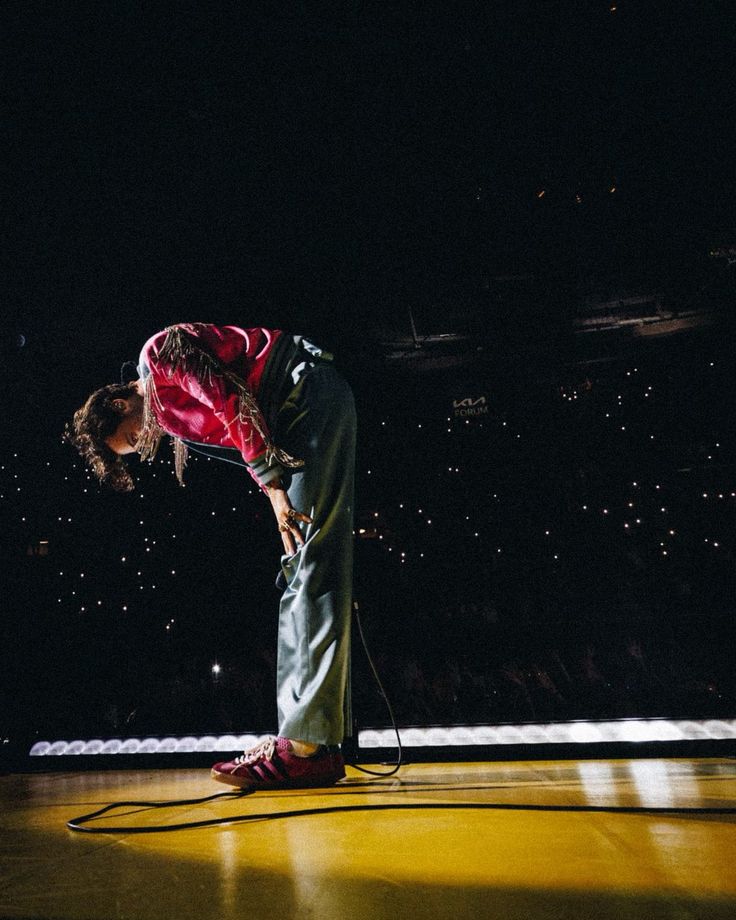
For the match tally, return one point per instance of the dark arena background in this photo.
(514, 226)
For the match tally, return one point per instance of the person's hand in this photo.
(288, 518)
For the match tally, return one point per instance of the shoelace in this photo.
(265, 750)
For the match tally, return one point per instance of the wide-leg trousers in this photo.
(317, 424)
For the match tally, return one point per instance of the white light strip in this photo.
(553, 733)
(189, 745)
(625, 730)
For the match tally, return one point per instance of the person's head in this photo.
(105, 429)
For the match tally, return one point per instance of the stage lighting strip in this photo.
(625, 730)
(554, 733)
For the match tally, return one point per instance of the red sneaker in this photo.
(272, 765)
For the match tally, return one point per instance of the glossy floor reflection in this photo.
(588, 839)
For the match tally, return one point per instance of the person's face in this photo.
(125, 436)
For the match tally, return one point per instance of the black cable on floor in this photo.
(79, 824)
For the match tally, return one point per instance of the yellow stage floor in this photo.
(520, 840)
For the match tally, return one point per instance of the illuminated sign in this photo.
(470, 407)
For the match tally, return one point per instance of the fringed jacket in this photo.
(217, 385)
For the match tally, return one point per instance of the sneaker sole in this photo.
(242, 782)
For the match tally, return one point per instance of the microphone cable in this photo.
(399, 757)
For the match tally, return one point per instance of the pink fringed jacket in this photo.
(217, 385)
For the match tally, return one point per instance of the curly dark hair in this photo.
(96, 420)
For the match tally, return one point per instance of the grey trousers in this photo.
(317, 424)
